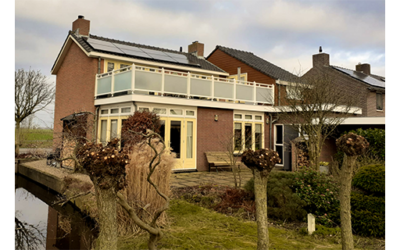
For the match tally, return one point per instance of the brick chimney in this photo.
(81, 26)
(321, 59)
(365, 68)
(197, 48)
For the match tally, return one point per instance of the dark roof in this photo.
(193, 60)
(258, 63)
(372, 80)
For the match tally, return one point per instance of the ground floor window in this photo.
(279, 141)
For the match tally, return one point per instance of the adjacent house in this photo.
(368, 87)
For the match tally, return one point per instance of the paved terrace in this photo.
(53, 177)
(223, 178)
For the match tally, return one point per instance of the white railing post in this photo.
(112, 83)
(254, 93)
(133, 78)
(95, 86)
(188, 85)
(162, 81)
(212, 88)
(234, 90)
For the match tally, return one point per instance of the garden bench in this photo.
(218, 158)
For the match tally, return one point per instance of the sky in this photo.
(285, 33)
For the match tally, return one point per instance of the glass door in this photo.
(180, 135)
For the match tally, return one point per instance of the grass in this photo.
(36, 138)
(194, 227)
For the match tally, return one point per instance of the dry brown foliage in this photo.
(138, 192)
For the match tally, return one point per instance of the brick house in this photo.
(200, 104)
(371, 89)
(368, 87)
(201, 101)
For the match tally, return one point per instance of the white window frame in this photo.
(280, 144)
(253, 123)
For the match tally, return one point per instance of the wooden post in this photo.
(311, 223)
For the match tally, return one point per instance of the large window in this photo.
(248, 131)
(379, 101)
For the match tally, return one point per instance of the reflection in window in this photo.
(248, 135)
(144, 109)
(114, 111)
(159, 111)
(125, 110)
(238, 136)
(238, 116)
(110, 67)
(258, 135)
(189, 140)
(104, 111)
(114, 129)
(248, 117)
(189, 113)
(258, 117)
(379, 101)
(122, 139)
(103, 131)
(176, 111)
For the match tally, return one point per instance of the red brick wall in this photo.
(75, 84)
(371, 105)
(328, 150)
(230, 65)
(349, 85)
(210, 133)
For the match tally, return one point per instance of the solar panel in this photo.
(363, 77)
(179, 60)
(127, 47)
(99, 42)
(161, 57)
(106, 48)
(135, 53)
(173, 55)
(151, 51)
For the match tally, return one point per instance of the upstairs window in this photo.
(110, 67)
(379, 101)
(293, 93)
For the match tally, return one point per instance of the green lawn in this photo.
(194, 227)
(36, 138)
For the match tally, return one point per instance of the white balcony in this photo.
(137, 80)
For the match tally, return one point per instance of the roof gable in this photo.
(258, 63)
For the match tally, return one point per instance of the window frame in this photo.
(243, 121)
(280, 144)
(379, 106)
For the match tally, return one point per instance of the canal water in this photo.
(42, 225)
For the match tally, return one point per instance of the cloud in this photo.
(285, 32)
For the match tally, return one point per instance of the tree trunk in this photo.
(260, 191)
(17, 137)
(107, 214)
(154, 238)
(346, 175)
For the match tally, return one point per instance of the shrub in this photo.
(320, 193)
(367, 202)
(367, 223)
(368, 211)
(371, 178)
(283, 203)
(326, 231)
